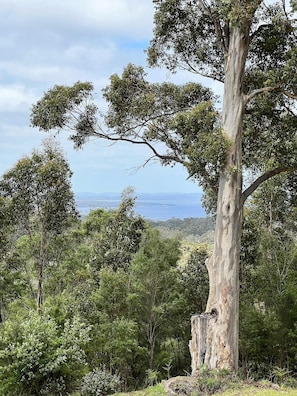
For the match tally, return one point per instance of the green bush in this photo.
(37, 357)
(100, 383)
(213, 381)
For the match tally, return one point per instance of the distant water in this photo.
(159, 206)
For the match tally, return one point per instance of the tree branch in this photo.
(249, 97)
(191, 69)
(289, 95)
(223, 41)
(261, 179)
(141, 142)
(264, 25)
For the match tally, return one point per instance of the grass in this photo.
(239, 388)
(213, 382)
(156, 390)
(252, 390)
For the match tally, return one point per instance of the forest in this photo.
(105, 302)
(233, 135)
(190, 229)
(113, 301)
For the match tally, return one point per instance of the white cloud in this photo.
(15, 98)
(80, 53)
(131, 18)
(48, 42)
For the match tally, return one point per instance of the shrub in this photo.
(100, 383)
(37, 357)
(213, 381)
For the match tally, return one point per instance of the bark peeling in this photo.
(215, 337)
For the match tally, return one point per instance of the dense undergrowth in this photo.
(109, 292)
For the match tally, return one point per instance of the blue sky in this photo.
(48, 42)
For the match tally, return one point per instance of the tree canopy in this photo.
(194, 36)
(38, 190)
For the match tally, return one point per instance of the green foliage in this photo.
(194, 282)
(214, 381)
(60, 104)
(191, 227)
(39, 189)
(269, 134)
(182, 117)
(13, 285)
(142, 100)
(154, 286)
(116, 334)
(203, 143)
(140, 313)
(7, 225)
(115, 235)
(39, 358)
(152, 377)
(268, 315)
(268, 282)
(185, 118)
(185, 36)
(100, 382)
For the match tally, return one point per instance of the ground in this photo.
(191, 386)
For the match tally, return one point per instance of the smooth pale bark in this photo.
(221, 334)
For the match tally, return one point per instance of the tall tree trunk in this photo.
(215, 333)
(39, 299)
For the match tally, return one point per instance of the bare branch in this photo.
(261, 179)
(192, 69)
(249, 97)
(289, 95)
(259, 91)
(114, 139)
(285, 9)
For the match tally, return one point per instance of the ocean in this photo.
(151, 206)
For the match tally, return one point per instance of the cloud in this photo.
(48, 42)
(131, 18)
(15, 98)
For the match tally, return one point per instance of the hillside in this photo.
(190, 229)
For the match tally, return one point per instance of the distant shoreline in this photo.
(152, 206)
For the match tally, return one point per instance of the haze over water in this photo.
(152, 206)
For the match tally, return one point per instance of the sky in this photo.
(48, 42)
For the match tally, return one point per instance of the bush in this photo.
(37, 357)
(214, 381)
(100, 383)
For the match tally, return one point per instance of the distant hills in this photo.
(152, 206)
(192, 229)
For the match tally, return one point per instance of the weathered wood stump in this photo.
(200, 344)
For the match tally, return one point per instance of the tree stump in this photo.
(201, 339)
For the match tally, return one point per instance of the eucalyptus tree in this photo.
(114, 235)
(38, 188)
(154, 286)
(5, 225)
(10, 277)
(269, 279)
(247, 46)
